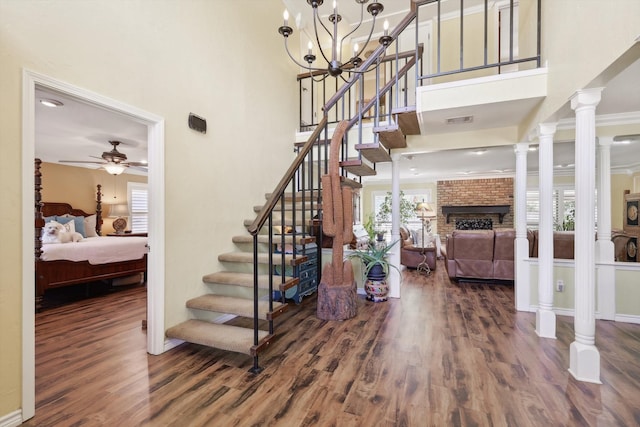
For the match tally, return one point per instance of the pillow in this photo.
(69, 226)
(90, 226)
(78, 221)
(49, 218)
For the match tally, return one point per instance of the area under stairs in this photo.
(390, 136)
(223, 285)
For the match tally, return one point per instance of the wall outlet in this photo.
(560, 286)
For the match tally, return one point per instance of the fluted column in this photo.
(584, 358)
(394, 254)
(545, 317)
(605, 251)
(522, 283)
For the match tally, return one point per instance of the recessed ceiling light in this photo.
(51, 103)
(479, 152)
(412, 169)
(533, 148)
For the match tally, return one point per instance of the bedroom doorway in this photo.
(155, 258)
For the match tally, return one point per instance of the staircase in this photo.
(294, 207)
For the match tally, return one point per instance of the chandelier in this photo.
(335, 64)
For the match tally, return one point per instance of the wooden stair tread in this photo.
(348, 182)
(247, 257)
(277, 239)
(391, 136)
(407, 119)
(374, 152)
(224, 337)
(358, 167)
(238, 306)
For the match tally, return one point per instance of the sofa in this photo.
(412, 254)
(480, 254)
(489, 254)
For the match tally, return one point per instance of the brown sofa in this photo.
(480, 254)
(410, 255)
(489, 254)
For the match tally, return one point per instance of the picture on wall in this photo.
(631, 220)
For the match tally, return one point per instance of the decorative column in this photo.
(584, 358)
(522, 283)
(394, 254)
(605, 251)
(545, 317)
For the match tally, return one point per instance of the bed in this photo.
(92, 259)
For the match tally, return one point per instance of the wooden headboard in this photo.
(53, 208)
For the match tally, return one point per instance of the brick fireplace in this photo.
(475, 194)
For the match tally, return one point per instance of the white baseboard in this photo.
(171, 343)
(627, 318)
(12, 419)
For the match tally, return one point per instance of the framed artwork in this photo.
(631, 214)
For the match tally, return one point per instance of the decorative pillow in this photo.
(90, 226)
(69, 226)
(78, 221)
(49, 218)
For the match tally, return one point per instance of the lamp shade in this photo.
(118, 210)
(423, 210)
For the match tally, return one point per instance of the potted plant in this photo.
(376, 267)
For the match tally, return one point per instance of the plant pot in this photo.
(376, 285)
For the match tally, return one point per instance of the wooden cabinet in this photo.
(307, 272)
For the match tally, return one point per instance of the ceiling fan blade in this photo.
(139, 168)
(81, 161)
(141, 164)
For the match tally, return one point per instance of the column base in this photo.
(546, 323)
(584, 362)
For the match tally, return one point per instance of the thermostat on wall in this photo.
(197, 123)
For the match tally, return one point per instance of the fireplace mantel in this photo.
(500, 210)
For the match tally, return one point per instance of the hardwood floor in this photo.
(446, 354)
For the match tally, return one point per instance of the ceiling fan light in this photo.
(114, 168)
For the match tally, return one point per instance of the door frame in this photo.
(155, 258)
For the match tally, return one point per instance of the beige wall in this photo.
(77, 186)
(576, 48)
(168, 58)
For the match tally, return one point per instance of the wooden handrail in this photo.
(404, 70)
(370, 60)
(257, 224)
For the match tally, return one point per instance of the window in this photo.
(138, 206)
(564, 204)
(410, 198)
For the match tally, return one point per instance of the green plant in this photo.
(407, 209)
(374, 255)
(370, 227)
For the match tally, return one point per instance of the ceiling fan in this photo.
(114, 162)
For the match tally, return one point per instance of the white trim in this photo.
(155, 266)
(12, 419)
(628, 318)
(171, 343)
(617, 119)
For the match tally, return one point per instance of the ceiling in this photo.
(78, 131)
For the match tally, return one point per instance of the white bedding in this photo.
(97, 250)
